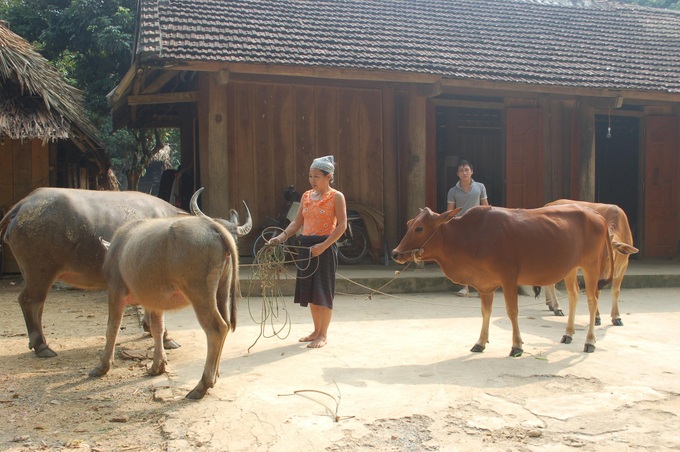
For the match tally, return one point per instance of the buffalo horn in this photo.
(193, 204)
(239, 230)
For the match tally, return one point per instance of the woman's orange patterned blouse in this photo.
(319, 216)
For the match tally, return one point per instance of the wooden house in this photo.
(548, 98)
(45, 138)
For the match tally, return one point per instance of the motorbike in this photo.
(352, 245)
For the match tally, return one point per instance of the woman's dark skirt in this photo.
(315, 281)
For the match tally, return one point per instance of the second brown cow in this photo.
(622, 247)
(492, 247)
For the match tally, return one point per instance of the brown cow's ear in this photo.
(624, 248)
(449, 215)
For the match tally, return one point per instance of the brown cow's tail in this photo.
(609, 257)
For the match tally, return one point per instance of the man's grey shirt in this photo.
(466, 200)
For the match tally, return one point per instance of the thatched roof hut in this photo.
(37, 104)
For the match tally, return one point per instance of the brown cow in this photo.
(492, 247)
(622, 243)
(169, 263)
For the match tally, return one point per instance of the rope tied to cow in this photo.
(270, 266)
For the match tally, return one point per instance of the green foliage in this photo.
(90, 43)
(664, 4)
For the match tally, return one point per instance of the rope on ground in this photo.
(336, 417)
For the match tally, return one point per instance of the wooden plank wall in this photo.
(24, 166)
(276, 130)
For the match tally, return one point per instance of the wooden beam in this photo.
(467, 103)
(300, 71)
(160, 81)
(480, 86)
(162, 98)
(409, 77)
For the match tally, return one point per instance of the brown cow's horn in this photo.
(193, 204)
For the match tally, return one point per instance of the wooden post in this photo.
(415, 178)
(586, 172)
(391, 170)
(213, 139)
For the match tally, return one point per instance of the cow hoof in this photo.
(566, 339)
(98, 372)
(516, 352)
(598, 321)
(170, 344)
(477, 348)
(617, 322)
(589, 348)
(196, 394)
(43, 351)
(559, 313)
(549, 306)
(155, 370)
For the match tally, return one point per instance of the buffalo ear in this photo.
(104, 243)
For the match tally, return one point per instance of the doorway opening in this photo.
(472, 134)
(617, 166)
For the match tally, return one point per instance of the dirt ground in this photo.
(397, 375)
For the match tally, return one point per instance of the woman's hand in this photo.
(279, 239)
(317, 250)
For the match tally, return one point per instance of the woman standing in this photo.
(323, 218)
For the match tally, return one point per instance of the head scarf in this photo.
(326, 164)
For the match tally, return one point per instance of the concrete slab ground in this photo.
(397, 375)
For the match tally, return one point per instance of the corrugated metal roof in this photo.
(590, 44)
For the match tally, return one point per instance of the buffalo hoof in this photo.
(589, 348)
(170, 344)
(516, 352)
(559, 313)
(617, 322)
(566, 339)
(477, 348)
(43, 351)
(598, 321)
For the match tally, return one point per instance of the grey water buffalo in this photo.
(169, 263)
(492, 247)
(622, 246)
(54, 235)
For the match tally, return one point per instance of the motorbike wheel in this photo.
(352, 249)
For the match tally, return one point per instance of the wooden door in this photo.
(661, 186)
(524, 158)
